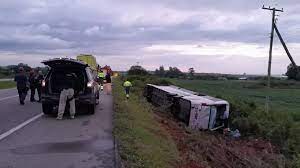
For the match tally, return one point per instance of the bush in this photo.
(141, 80)
(278, 127)
(293, 72)
(296, 161)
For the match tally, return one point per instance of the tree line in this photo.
(172, 72)
(292, 73)
(10, 70)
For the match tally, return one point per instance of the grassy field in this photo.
(7, 84)
(285, 96)
(142, 142)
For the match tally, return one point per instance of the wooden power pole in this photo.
(285, 47)
(274, 10)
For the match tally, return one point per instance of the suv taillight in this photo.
(90, 84)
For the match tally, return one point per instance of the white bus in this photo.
(196, 110)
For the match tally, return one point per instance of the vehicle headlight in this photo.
(43, 83)
(90, 84)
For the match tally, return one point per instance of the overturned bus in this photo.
(198, 111)
(163, 95)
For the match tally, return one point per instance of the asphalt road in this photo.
(29, 139)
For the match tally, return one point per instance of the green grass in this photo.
(7, 84)
(142, 142)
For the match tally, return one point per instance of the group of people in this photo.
(101, 77)
(104, 77)
(35, 83)
(24, 83)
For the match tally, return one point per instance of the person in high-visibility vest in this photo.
(127, 85)
(101, 77)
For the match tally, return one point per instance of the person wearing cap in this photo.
(127, 85)
(22, 85)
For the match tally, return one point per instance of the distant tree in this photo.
(160, 72)
(173, 72)
(191, 72)
(293, 72)
(137, 70)
(26, 67)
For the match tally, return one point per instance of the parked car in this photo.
(58, 76)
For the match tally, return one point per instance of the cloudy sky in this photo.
(225, 36)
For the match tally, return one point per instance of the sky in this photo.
(211, 36)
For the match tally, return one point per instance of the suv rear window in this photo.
(59, 79)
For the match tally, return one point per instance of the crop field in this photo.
(284, 95)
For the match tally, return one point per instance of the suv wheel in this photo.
(47, 108)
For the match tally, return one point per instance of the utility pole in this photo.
(274, 10)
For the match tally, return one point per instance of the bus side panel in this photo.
(184, 111)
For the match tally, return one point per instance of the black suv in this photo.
(86, 90)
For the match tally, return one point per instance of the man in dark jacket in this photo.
(22, 87)
(38, 80)
(108, 83)
(32, 84)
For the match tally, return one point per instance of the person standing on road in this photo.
(108, 83)
(67, 95)
(127, 85)
(22, 85)
(39, 79)
(32, 84)
(101, 79)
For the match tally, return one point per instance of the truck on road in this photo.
(88, 59)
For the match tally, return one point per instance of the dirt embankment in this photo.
(201, 149)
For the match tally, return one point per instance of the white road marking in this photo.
(5, 90)
(8, 97)
(4, 135)
(1, 80)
